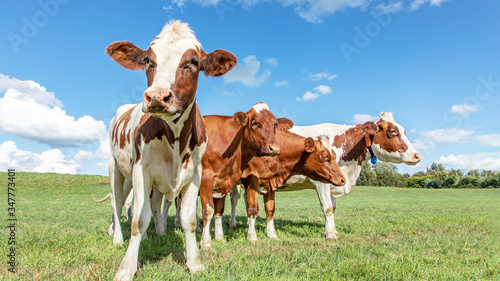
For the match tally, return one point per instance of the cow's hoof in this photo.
(252, 239)
(273, 237)
(330, 236)
(197, 267)
(123, 275)
(117, 240)
(205, 246)
(232, 225)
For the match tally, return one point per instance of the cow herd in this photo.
(164, 149)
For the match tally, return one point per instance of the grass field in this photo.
(384, 233)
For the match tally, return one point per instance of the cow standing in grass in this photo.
(299, 155)
(161, 141)
(353, 145)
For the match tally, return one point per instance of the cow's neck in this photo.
(352, 145)
(354, 153)
(291, 160)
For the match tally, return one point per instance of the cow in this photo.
(354, 145)
(299, 155)
(161, 140)
(384, 140)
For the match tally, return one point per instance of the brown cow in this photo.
(299, 156)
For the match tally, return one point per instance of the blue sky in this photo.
(434, 63)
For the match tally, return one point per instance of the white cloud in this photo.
(281, 83)
(50, 161)
(247, 73)
(30, 111)
(322, 75)
(463, 109)
(448, 135)
(393, 7)
(480, 161)
(363, 118)
(315, 11)
(272, 61)
(316, 93)
(432, 138)
(416, 4)
(489, 140)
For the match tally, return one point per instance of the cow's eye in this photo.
(393, 132)
(194, 62)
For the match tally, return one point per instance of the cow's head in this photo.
(320, 162)
(260, 127)
(172, 64)
(389, 141)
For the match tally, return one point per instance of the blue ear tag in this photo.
(374, 159)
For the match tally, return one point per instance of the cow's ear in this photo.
(127, 55)
(240, 118)
(217, 63)
(284, 124)
(370, 128)
(309, 145)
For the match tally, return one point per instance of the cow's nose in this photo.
(417, 157)
(274, 149)
(161, 96)
(342, 181)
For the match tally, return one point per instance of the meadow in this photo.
(384, 233)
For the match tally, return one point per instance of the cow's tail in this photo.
(102, 200)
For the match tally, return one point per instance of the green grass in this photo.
(384, 233)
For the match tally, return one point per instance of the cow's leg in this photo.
(323, 190)
(164, 212)
(177, 221)
(127, 189)
(334, 204)
(235, 195)
(269, 206)
(156, 208)
(188, 222)
(207, 206)
(140, 222)
(219, 210)
(116, 180)
(253, 207)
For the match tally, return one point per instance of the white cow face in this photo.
(172, 63)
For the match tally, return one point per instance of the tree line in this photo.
(437, 176)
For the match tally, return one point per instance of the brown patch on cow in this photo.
(329, 211)
(151, 128)
(124, 133)
(353, 144)
(185, 160)
(199, 135)
(135, 226)
(151, 67)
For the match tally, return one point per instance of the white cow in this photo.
(161, 141)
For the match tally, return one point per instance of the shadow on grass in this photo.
(158, 247)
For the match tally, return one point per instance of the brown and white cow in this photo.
(161, 141)
(353, 145)
(234, 141)
(299, 155)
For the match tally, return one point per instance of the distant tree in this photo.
(368, 177)
(419, 174)
(384, 166)
(473, 173)
(457, 173)
(436, 168)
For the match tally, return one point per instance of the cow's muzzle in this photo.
(272, 149)
(160, 101)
